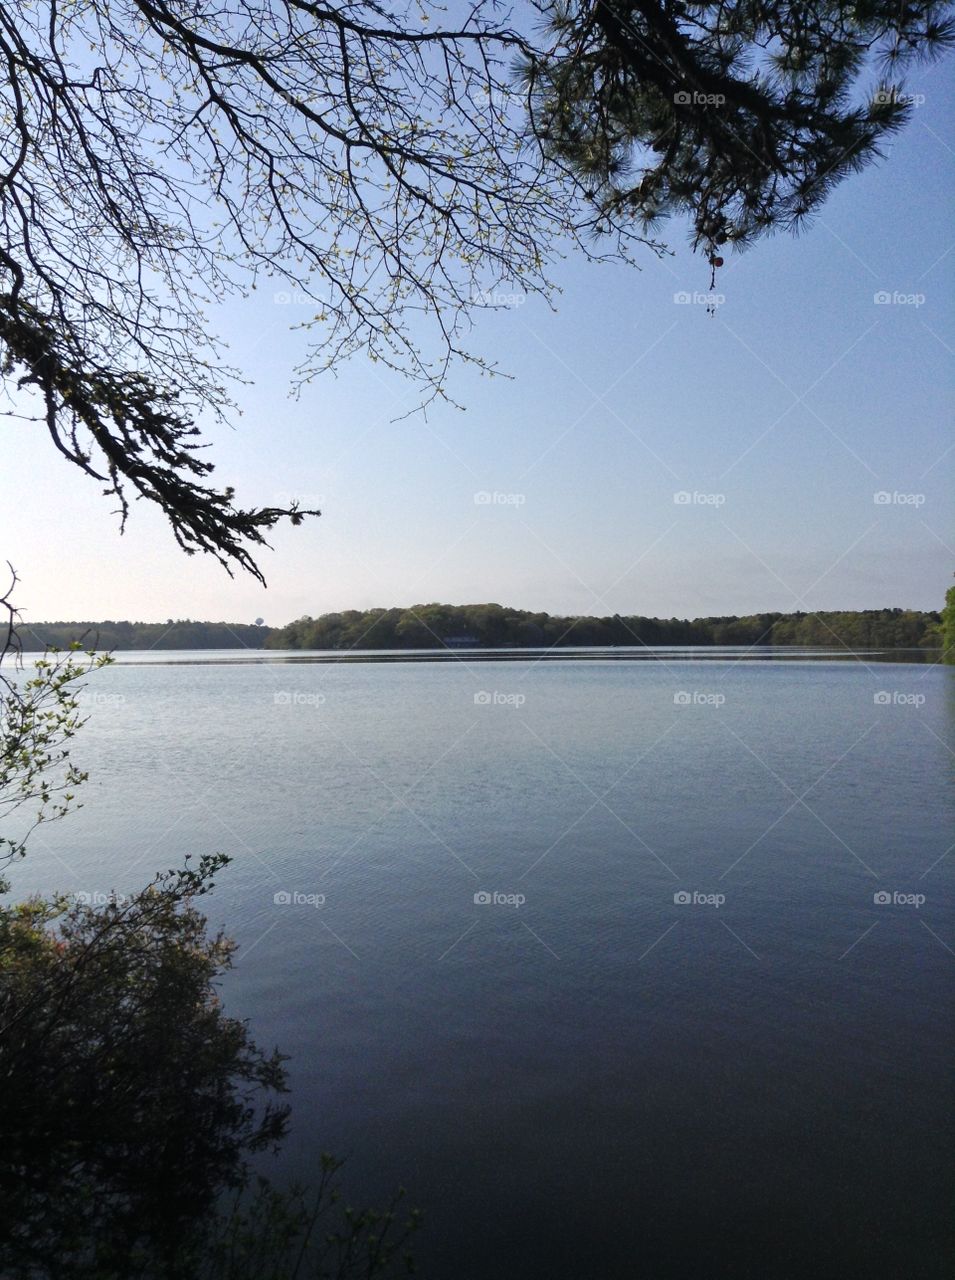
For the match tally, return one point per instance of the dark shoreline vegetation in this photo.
(163, 161)
(132, 1104)
(437, 626)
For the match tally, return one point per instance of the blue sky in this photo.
(777, 422)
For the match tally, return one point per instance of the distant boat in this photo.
(461, 642)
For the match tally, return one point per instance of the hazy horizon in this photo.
(509, 604)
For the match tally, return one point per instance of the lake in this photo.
(622, 968)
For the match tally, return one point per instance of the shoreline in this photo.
(467, 657)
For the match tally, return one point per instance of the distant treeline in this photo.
(948, 626)
(431, 626)
(179, 634)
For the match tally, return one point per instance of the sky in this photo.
(793, 451)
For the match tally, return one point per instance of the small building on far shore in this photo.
(461, 642)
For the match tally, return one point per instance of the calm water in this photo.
(589, 1075)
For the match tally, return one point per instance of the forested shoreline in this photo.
(181, 634)
(434, 626)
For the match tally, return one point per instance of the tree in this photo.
(741, 114)
(129, 1098)
(159, 155)
(130, 1102)
(387, 169)
(131, 1105)
(39, 715)
(948, 627)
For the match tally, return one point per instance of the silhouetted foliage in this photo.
(742, 114)
(130, 1104)
(392, 171)
(159, 156)
(283, 1235)
(129, 1098)
(39, 715)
